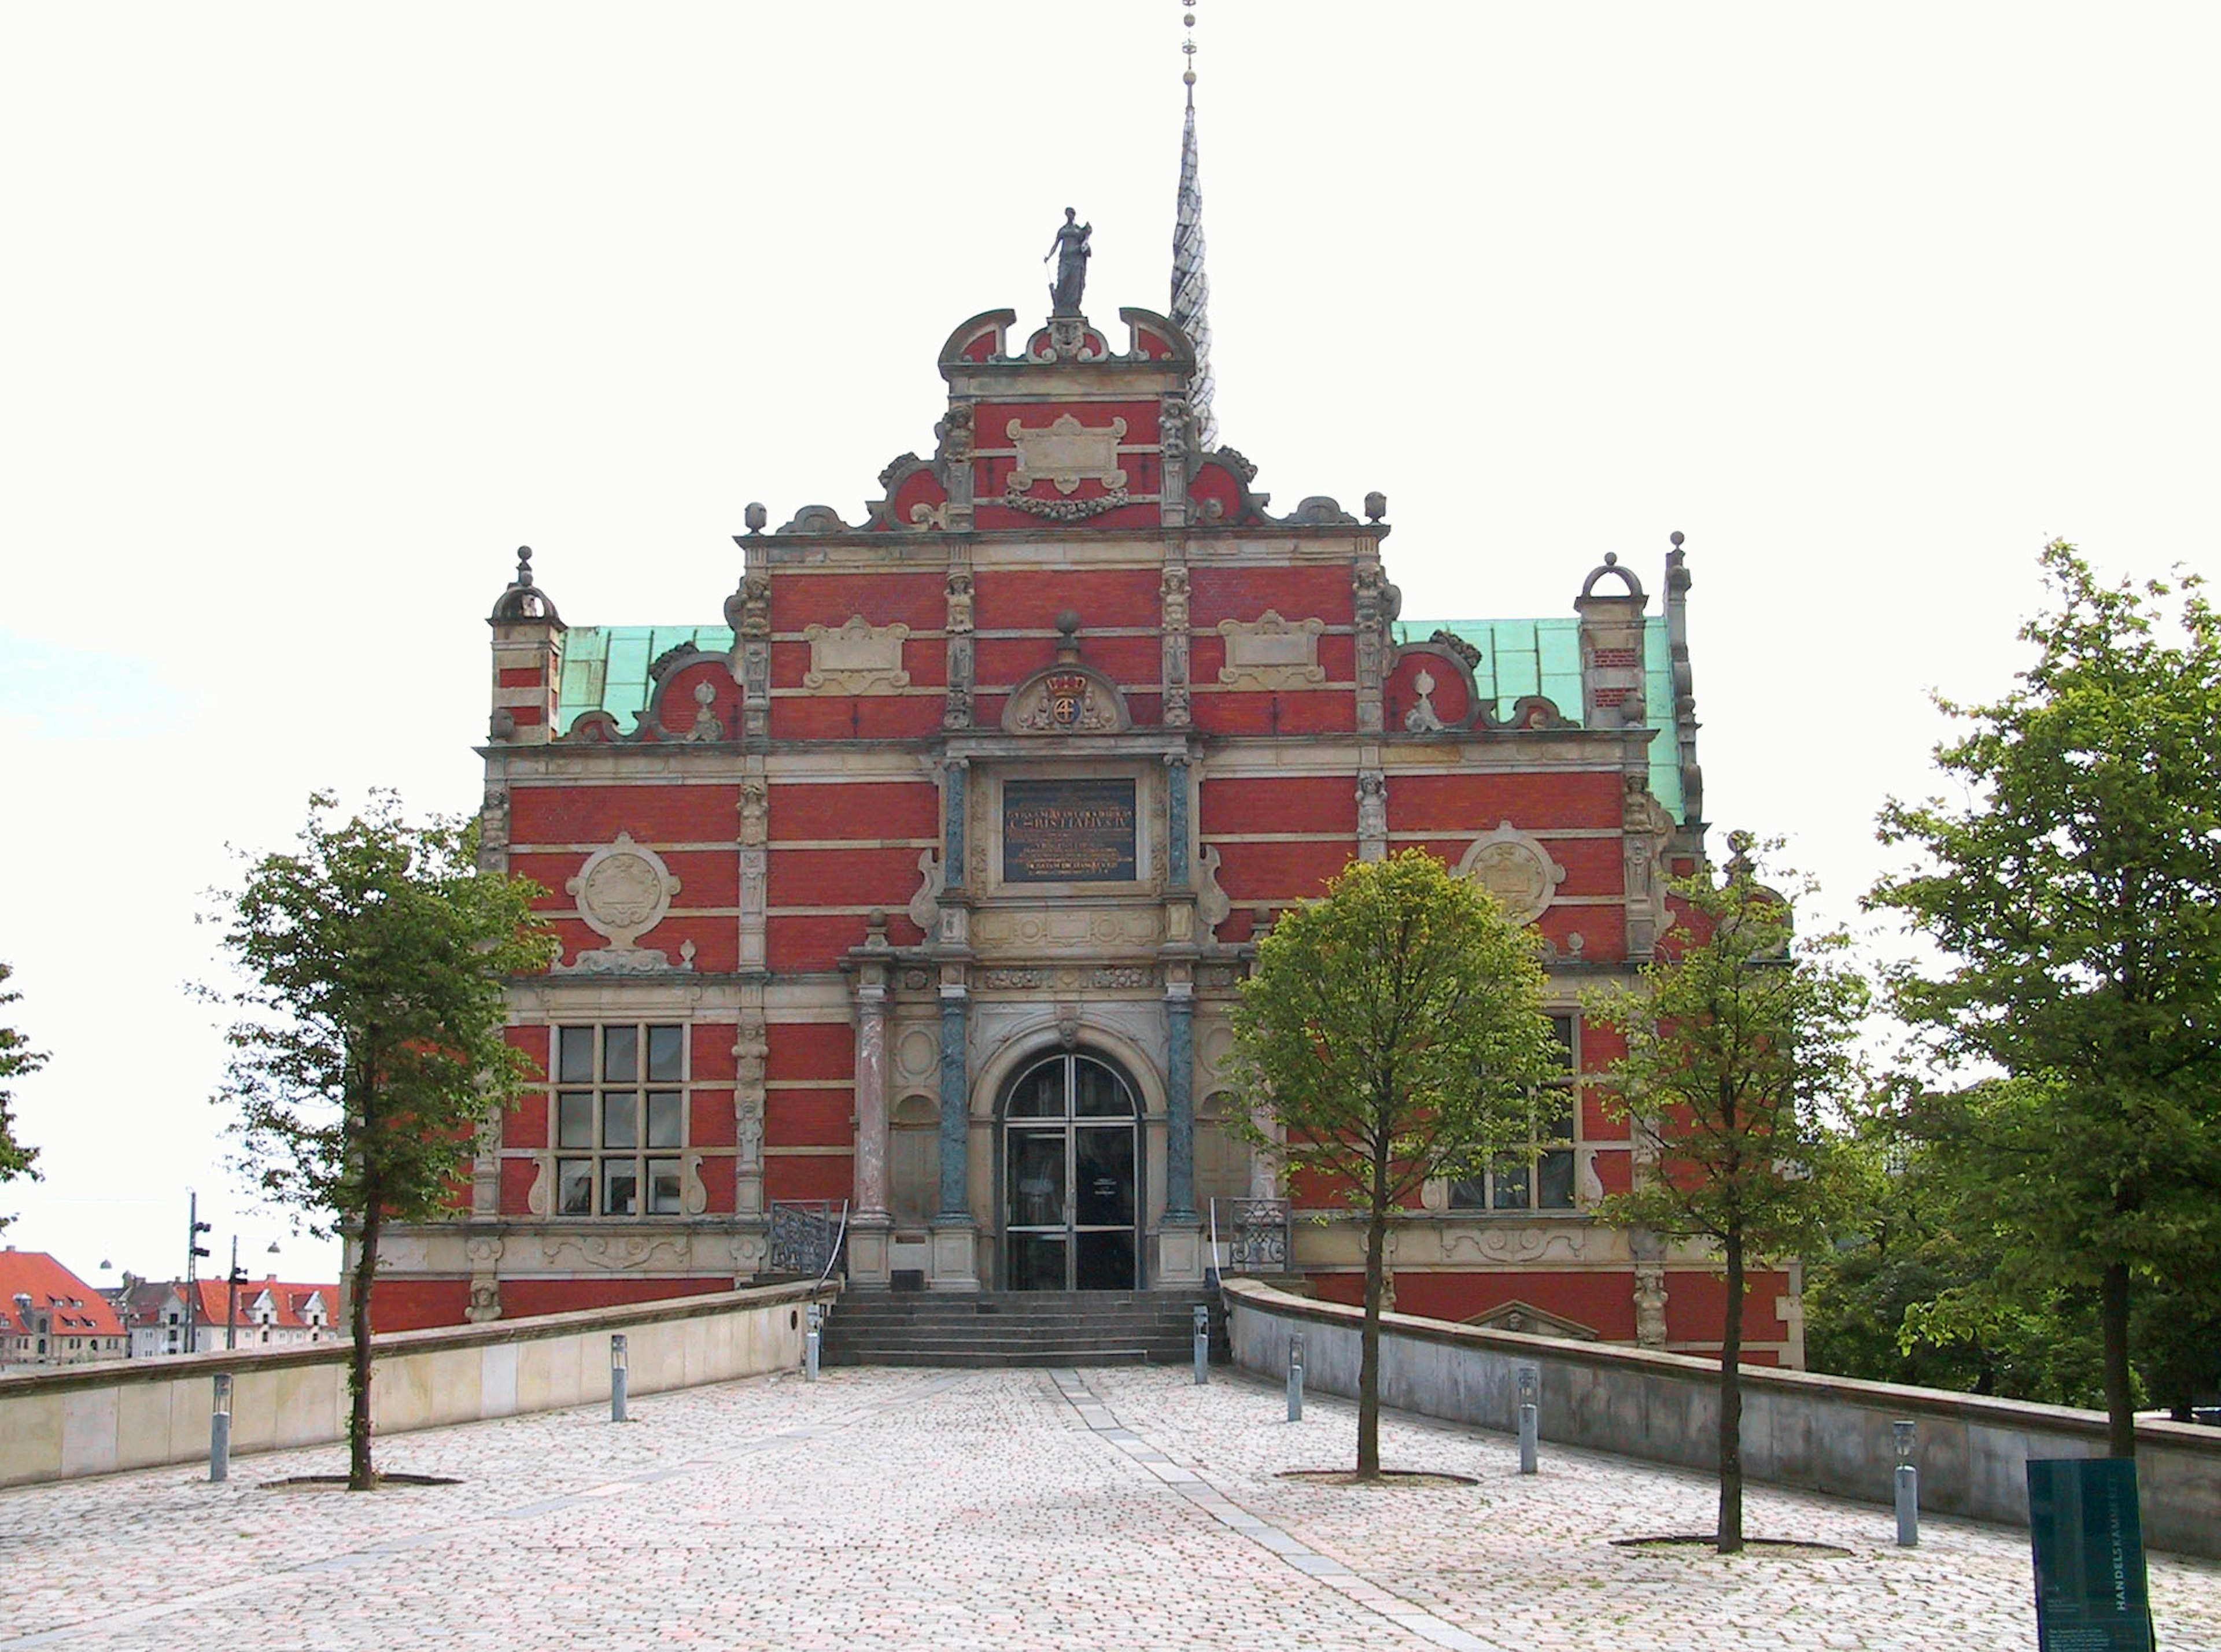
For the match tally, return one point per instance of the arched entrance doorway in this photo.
(1070, 1178)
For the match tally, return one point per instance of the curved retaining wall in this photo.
(1820, 1433)
(93, 1419)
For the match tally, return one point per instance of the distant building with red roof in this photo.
(171, 1317)
(48, 1315)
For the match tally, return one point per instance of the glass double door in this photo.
(1070, 1175)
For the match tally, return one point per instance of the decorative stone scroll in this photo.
(857, 659)
(1517, 870)
(1271, 653)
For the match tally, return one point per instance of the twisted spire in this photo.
(1191, 306)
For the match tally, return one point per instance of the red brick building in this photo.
(924, 881)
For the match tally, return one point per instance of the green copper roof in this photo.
(606, 668)
(1522, 656)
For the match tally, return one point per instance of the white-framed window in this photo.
(1540, 1176)
(619, 1118)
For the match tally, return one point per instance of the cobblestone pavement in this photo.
(897, 1509)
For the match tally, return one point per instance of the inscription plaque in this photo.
(1068, 832)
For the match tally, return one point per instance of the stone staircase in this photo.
(1003, 1328)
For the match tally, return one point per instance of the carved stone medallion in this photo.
(1517, 870)
(623, 891)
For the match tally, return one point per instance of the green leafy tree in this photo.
(1739, 1045)
(369, 1051)
(1394, 1032)
(16, 1058)
(1908, 1291)
(2075, 893)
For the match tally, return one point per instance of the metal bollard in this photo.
(1531, 1417)
(220, 1430)
(1908, 1488)
(1202, 1344)
(1296, 1376)
(809, 1344)
(618, 1359)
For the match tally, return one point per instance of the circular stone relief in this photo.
(623, 890)
(1517, 870)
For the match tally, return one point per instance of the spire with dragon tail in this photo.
(1191, 305)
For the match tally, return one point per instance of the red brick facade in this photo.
(944, 857)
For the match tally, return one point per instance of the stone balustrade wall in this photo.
(92, 1419)
(1800, 1428)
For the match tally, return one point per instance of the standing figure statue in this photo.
(1071, 253)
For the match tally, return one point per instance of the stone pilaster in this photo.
(869, 1226)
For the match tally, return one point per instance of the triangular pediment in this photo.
(1529, 1320)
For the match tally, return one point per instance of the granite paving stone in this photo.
(885, 1508)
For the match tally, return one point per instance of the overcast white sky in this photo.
(314, 315)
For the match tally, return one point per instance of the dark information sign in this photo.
(2089, 1545)
(1067, 832)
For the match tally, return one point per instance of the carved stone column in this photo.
(957, 710)
(1376, 604)
(1649, 1287)
(1372, 814)
(747, 610)
(1173, 630)
(751, 1052)
(755, 865)
(955, 1234)
(1179, 1236)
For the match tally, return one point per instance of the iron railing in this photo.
(1250, 1235)
(807, 1238)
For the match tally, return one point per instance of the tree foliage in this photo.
(1904, 1294)
(2074, 892)
(17, 1058)
(1394, 1032)
(1739, 1045)
(369, 1050)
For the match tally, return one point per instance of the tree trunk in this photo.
(2120, 1394)
(1368, 1359)
(1728, 1538)
(361, 1477)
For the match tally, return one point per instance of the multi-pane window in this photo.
(620, 1119)
(1540, 1175)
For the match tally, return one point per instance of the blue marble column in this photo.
(952, 840)
(1180, 1109)
(1176, 820)
(955, 1113)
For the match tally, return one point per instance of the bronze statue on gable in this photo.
(1071, 253)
